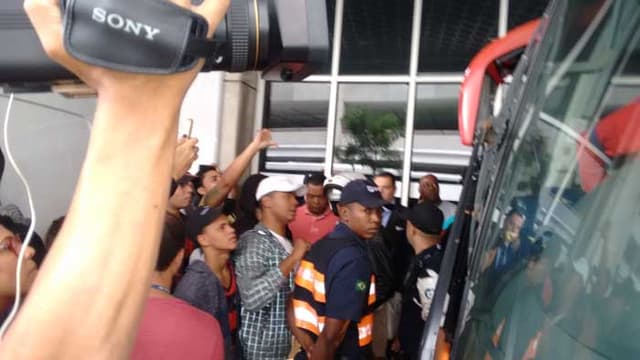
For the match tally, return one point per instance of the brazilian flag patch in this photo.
(361, 285)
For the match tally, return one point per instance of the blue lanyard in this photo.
(161, 288)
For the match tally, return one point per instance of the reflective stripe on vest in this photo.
(309, 278)
(372, 291)
(365, 330)
(306, 317)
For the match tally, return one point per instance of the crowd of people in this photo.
(299, 279)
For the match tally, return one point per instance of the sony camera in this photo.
(284, 39)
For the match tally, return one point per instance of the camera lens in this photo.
(286, 39)
(244, 34)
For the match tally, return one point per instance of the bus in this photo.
(543, 260)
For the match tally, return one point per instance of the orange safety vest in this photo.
(309, 296)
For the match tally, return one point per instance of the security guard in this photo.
(331, 310)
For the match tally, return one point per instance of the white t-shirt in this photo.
(196, 254)
(286, 244)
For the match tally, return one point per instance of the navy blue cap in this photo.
(361, 191)
(199, 219)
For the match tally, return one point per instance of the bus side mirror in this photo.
(488, 68)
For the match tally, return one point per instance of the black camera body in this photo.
(284, 39)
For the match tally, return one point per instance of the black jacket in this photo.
(390, 254)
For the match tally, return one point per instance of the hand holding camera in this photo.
(46, 18)
(285, 39)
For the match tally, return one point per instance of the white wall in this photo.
(203, 104)
(48, 136)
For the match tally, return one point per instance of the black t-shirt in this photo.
(424, 268)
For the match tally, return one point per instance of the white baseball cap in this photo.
(280, 184)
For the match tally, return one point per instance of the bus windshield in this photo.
(554, 269)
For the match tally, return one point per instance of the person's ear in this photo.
(201, 190)
(266, 201)
(343, 211)
(202, 240)
(410, 229)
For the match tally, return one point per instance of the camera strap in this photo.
(141, 36)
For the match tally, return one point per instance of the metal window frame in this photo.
(411, 102)
(335, 79)
(333, 87)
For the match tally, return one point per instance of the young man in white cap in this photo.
(265, 260)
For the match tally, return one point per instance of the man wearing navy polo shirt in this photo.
(331, 311)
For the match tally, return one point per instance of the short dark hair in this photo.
(314, 179)
(172, 241)
(20, 230)
(517, 211)
(203, 169)
(387, 175)
(53, 231)
(8, 223)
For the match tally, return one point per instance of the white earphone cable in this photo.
(32, 213)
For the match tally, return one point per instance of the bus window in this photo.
(554, 268)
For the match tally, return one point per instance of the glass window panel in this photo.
(325, 69)
(436, 144)
(522, 11)
(454, 31)
(370, 128)
(296, 113)
(376, 37)
(437, 107)
(633, 65)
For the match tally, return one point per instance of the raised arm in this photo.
(89, 294)
(231, 174)
(186, 153)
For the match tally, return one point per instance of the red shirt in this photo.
(233, 302)
(312, 227)
(172, 329)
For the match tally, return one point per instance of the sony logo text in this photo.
(118, 22)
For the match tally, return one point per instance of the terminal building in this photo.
(396, 63)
